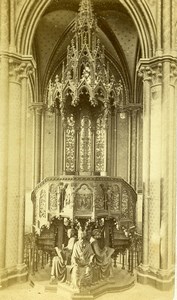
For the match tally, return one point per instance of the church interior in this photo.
(88, 149)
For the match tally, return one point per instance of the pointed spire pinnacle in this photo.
(85, 15)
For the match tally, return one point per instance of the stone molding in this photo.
(156, 278)
(152, 69)
(38, 107)
(32, 11)
(173, 72)
(19, 66)
(75, 178)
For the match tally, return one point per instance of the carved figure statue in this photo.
(102, 256)
(61, 198)
(62, 258)
(81, 261)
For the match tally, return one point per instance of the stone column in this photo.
(14, 164)
(4, 90)
(94, 202)
(56, 136)
(155, 168)
(159, 26)
(173, 34)
(93, 151)
(158, 171)
(37, 122)
(167, 170)
(77, 150)
(133, 147)
(115, 145)
(28, 68)
(129, 146)
(60, 232)
(139, 151)
(64, 150)
(12, 26)
(166, 29)
(60, 158)
(111, 141)
(146, 168)
(172, 165)
(43, 117)
(104, 173)
(107, 232)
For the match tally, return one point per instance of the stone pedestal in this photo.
(121, 281)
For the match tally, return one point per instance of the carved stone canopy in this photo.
(86, 72)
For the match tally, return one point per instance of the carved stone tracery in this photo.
(70, 144)
(42, 204)
(151, 72)
(125, 204)
(99, 145)
(19, 68)
(83, 199)
(85, 145)
(100, 198)
(115, 204)
(89, 89)
(87, 197)
(173, 72)
(53, 197)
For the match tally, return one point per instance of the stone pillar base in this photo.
(162, 280)
(13, 275)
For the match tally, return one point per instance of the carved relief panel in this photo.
(100, 198)
(68, 193)
(99, 145)
(115, 203)
(125, 204)
(83, 199)
(42, 204)
(53, 205)
(85, 144)
(70, 145)
(91, 197)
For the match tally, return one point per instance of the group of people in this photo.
(89, 261)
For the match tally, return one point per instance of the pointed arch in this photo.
(33, 10)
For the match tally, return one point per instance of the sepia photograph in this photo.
(88, 92)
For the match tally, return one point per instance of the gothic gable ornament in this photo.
(86, 71)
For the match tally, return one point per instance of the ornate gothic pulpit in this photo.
(60, 200)
(87, 93)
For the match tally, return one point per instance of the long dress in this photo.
(103, 259)
(58, 270)
(81, 259)
(59, 261)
